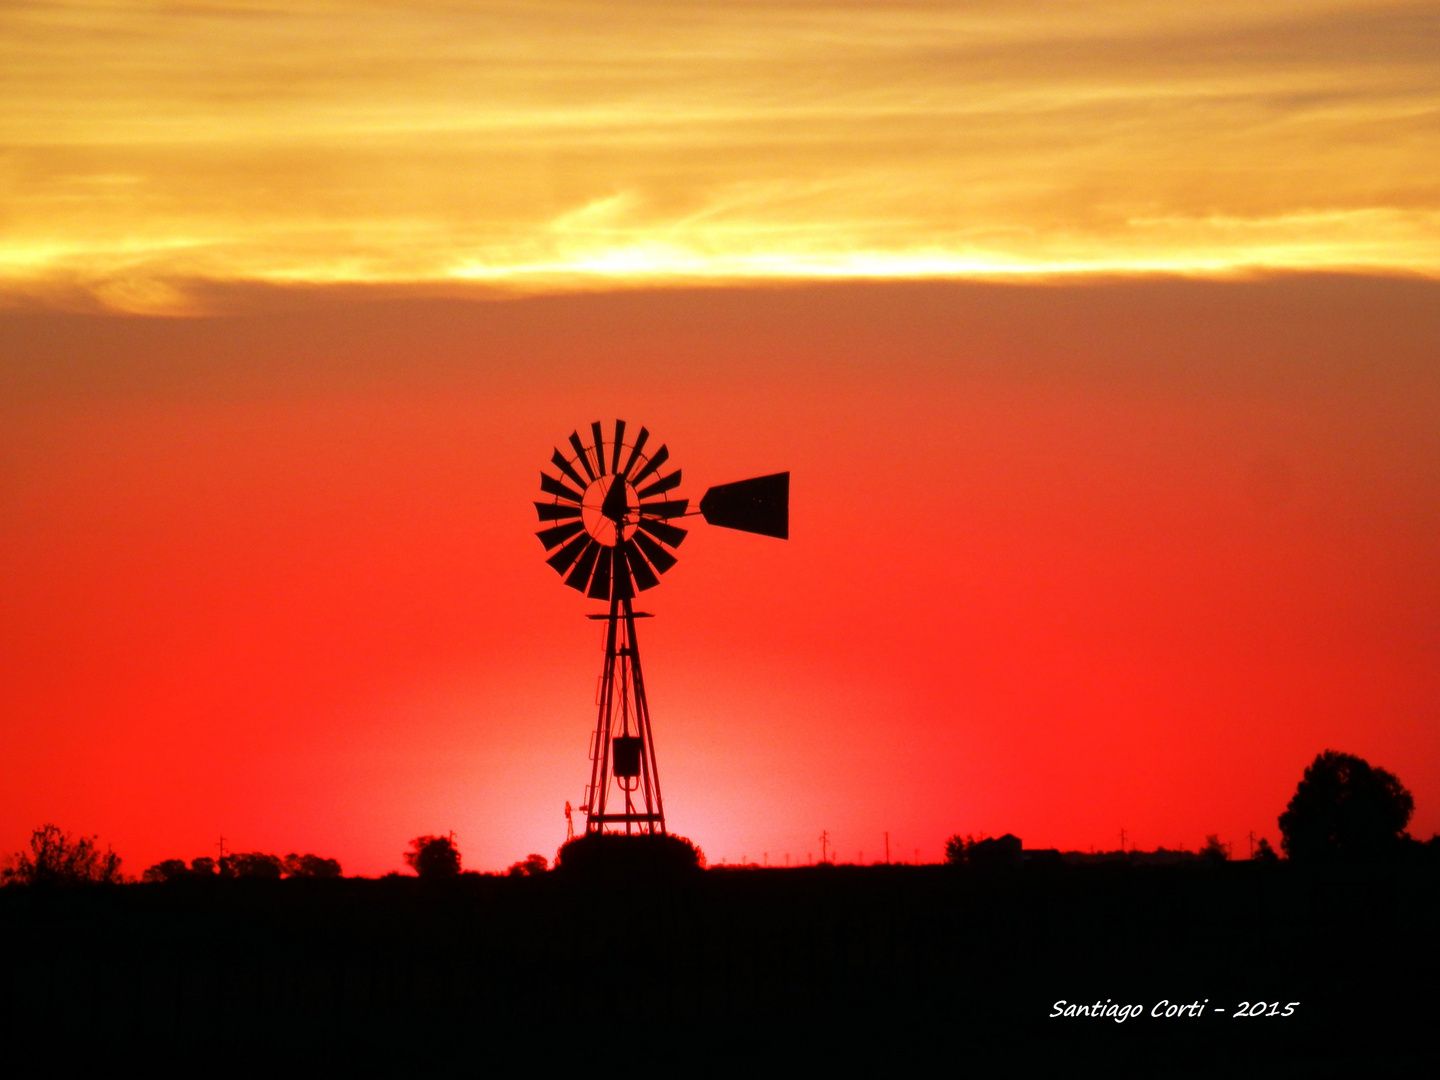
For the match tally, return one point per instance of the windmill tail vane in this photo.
(609, 523)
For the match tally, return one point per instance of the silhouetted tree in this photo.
(434, 857)
(529, 866)
(1345, 808)
(176, 870)
(957, 849)
(1214, 851)
(1264, 853)
(251, 864)
(55, 858)
(993, 851)
(167, 870)
(310, 866)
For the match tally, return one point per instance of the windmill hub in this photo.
(610, 502)
(609, 523)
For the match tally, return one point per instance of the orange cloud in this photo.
(146, 148)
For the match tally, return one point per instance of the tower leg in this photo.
(623, 712)
(649, 773)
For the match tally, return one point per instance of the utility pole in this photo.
(1122, 840)
(824, 844)
(887, 849)
(1252, 843)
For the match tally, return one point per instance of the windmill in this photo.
(610, 525)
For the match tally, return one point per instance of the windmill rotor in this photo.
(596, 503)
(598, 506)
(608, 514)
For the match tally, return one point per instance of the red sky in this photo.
(1064, 559)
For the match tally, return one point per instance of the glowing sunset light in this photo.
(1062, 560)
(570, 145)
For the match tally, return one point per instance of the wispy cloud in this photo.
(561, 144)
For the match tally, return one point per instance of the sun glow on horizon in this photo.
(152, 152)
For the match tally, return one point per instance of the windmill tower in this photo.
(610, 523)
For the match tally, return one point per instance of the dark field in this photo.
(893, 963)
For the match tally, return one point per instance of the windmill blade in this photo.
(600, 583)
(562, 559)
(644, 577)
(619, 444)
(564, 466)
(551, 486)
(580, 576)
(760, 505)
(661, 456)
(551, 537)
(581, 453)
(662, 559)
(671, 534)
(665, 483)
(556, 512)
(620, 585)
(675, 508)
(599, 445)
(635, 451)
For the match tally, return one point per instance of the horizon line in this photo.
(203, 295)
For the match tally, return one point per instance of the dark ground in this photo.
(896, 964)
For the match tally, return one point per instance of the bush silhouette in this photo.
(252, 864)
(529, 866)
(1214, 851)
(168, 870)
(55, 859)
(957, 849)
(1345, 808)
(176, 870)
(994, 851)
(310, 866)
(608, 853)
(1264, 853)
(434, 857)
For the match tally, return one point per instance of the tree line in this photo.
(247, 864)
(56, 858)
(1344, 809)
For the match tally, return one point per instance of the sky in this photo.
(1100, 340)
(564, 144)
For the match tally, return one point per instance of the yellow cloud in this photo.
(144, 146)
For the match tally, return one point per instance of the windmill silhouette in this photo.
(612, 535)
